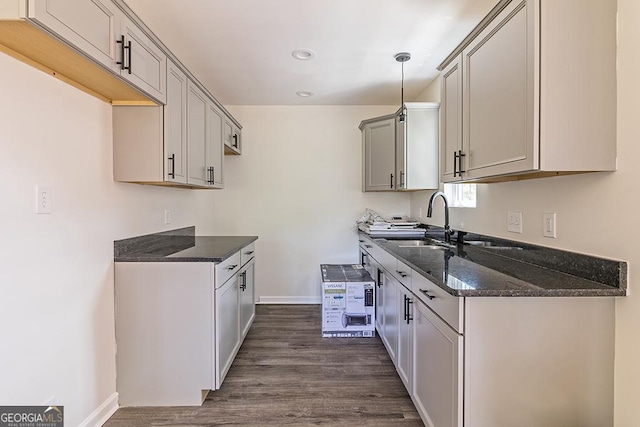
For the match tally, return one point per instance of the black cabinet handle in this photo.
(460, 156)
(401, 273)
(211, 171)
(122, 48)
(128, 67)
(391, 184)
(368, 246)
(405, 307)
(426, 294)
(401, 179)
(172, 159)
(244, 281)
(232, 267)
(409, 318)
(248, 252)
(455, 164)
(235, 140)
(379, 281)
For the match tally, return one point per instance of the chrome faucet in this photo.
(448, 232)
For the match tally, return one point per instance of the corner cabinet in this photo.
(179, 326)
(232, 137)
(401, 155)
(509, 109)
(178, 144)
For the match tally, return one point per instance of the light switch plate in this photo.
(549, 224)
(514, 222)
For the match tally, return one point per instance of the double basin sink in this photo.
(435, 244)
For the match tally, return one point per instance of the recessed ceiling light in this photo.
(303, 54)
(304, 93)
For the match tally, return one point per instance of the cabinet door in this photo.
(379, 278)
(227, 326)
(92, 26)
(214, 146)
(379, 155)
(401, 154)
(247, 298)
(175, 126)
(232, 137)
(143, 63)
(390, 307)
(404, 356)
(451, 122)
(498, 97)
(437, 371)
(196, 135)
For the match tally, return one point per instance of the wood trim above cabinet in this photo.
(39, 49)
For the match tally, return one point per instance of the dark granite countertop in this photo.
(179, 245)
(487, 266)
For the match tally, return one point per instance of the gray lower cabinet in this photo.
(179, 326)
(495, 361)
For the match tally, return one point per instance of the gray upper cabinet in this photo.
(142, 62)
(451, 155)
(512, 110)
(232, 137)
(214, 147)
(417, 147)
(401, 155)
(196, 135)
(91, 26)
(175, 126)
(378, 141)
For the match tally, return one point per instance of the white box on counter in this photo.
(348, 301)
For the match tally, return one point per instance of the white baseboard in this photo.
(102, 413)
(290, 300)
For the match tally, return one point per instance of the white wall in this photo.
(297, 186)
(594, 211)
(56, 271)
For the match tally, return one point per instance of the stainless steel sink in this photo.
(422, 244)
(491, 245)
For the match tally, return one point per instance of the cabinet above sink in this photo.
(522, 97)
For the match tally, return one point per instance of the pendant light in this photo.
(402, 57)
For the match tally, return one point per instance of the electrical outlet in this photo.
(514, 222)
(167, 216)
(44, 199)
(549, 224)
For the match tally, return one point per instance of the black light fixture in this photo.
(402, 57)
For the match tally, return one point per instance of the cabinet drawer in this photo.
(247, 253)
(227, 268)
(445, 305)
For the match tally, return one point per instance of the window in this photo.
(461, 195)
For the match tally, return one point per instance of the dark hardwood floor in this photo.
(286, 374)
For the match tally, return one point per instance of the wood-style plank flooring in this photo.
(286, 374)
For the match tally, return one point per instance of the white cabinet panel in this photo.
(498, 97)
(214, 146)
(247, 297)
(143, 63)
(227, 326)
(451, 122)
(196, 135)
(379, 155)
(391, 318)
(404, 357)
(91, 26)
(437, 375)
(175, 125)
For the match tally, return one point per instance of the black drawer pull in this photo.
(232, 267)
(426, 294)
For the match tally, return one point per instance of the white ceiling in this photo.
(241, 49)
